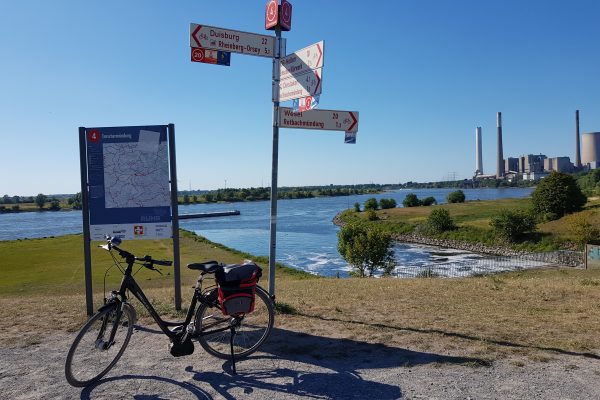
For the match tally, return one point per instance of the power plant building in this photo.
(591, 149)
(558, 164)
(511, 164)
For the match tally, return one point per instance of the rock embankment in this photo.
(562, 257)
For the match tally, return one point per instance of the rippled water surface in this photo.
(306, 237)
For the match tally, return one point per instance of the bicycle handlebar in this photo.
(112, 244)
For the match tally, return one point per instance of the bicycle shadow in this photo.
(326, 367)
(86, 393)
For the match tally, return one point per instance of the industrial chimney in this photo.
(500, 161)
(478, 161)
(577, 149)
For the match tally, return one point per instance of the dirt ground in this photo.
(294, 364)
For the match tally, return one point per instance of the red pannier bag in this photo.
(237, 287)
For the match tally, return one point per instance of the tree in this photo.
(411, 200)
(366, 249)
(557, 195)
(427, 201)
(458, 196)
(40, 200)
(75, 201)
(371, 204)
(387, 203)
(439, 220)
(512, 225)
(357, 207)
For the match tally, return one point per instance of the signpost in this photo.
(301, 86)
(210, 37)
(330, 120)
(302, 61)
(295, 76)
(210, 56)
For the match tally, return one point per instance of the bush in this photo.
(387, 203)
(557, 195)
(583, 231)
(366, 249)
(357, 207)
(439, 220)
(458, 196)
(427, 201)
(411, 200)
(371, 204)
(54, 205)
(513, 225)
(372, 215)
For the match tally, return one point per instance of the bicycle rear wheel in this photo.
(91, 355)
(251, 331)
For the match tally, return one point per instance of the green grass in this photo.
(473, 222)
(55, 265)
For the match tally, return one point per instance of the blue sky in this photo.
(422, 74)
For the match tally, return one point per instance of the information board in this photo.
(592, 256)
(128, 181)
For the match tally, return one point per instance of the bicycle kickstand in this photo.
(231, 337)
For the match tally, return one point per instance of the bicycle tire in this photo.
(79, 370)
(254, 329)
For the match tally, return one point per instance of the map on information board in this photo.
(128, 177)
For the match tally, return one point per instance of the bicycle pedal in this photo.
(181, 349)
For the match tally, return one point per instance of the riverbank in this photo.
(553, 242)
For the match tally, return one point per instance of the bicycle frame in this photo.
(129, 283)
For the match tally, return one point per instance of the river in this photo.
(306, 236)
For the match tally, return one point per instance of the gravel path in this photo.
(295, 365)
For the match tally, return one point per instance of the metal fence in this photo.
(454, 263)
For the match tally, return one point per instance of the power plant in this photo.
(591, 149)
(500, 159)
(536, 166)
(478, 160)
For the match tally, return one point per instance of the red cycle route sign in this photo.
(285, 19)
(272, 15)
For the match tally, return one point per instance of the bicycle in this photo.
(104, 337)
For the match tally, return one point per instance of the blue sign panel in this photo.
(128, 178)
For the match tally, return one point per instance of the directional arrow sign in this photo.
(210, 37)
(302, 61)
(330, 120)
(301, 86)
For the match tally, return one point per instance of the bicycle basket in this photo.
(237, 287)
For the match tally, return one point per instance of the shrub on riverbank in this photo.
(557, 195)
(512, 226)
(439, 221)
(366, 248)
(458, 196)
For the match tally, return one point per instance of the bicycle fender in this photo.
(110, 304)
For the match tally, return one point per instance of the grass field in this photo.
(473, 221)
(531, 314)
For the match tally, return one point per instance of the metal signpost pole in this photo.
(85, 210)
(275, 163)
(174, 216)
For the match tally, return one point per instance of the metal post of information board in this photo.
(174, 216)
(85, 210)
(275, 162)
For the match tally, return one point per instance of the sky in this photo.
(423, 74)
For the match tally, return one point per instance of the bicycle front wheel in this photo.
(93, 353)
(251, 330)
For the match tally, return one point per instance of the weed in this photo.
(284, 308)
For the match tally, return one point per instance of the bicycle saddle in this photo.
(208, 267)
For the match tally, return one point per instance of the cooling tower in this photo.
(478, 161)
(500, 156)
(577, 150)
(591, 147)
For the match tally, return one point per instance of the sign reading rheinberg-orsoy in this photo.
(211, 37)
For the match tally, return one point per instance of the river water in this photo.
(306, 236)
